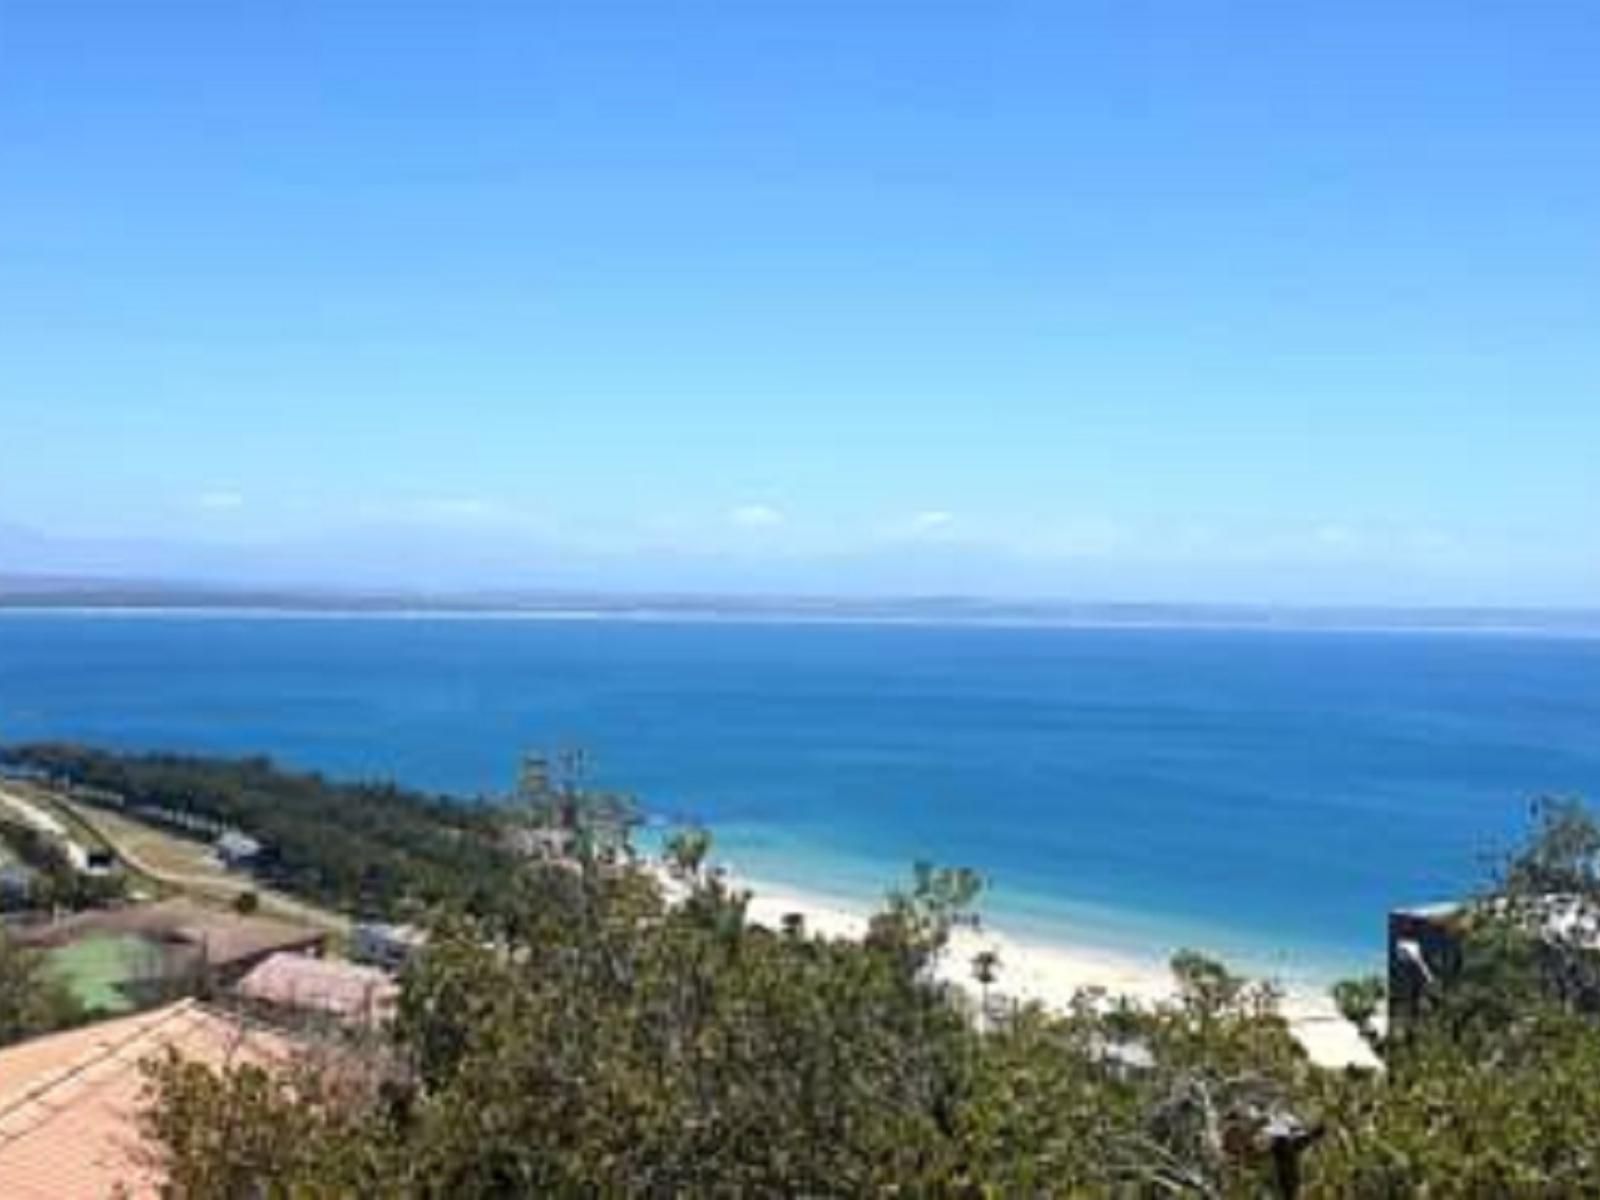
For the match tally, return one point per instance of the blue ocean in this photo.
(1266, 795)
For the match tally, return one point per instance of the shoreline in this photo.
(848, 884)
(1050, 973)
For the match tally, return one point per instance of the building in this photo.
(1424, 946)
(1425, 941)
(237, 850)
(69, 1102)
(291, 987)
(386, 946)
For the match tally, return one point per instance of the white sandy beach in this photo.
(1052, 973)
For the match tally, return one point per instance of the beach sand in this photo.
(1052, 973)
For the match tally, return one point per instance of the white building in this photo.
(237, 849)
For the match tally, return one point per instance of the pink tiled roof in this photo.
(343, 989)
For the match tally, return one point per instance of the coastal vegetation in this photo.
(580, 1024)
(367, 849)
(589, 1037)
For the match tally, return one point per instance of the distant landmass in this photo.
(19, 592)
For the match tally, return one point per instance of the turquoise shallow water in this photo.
(1264, 794)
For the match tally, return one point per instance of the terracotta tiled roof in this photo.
(68, 1102)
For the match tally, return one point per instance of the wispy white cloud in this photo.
(930, 520)
(220, 500)
(755, 516)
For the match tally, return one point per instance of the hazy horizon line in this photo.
(89, 594)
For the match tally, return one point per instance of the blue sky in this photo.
(1146, 301)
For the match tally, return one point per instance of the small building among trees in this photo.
(388, 946)
(238, 851)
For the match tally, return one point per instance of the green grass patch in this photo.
(94, 968)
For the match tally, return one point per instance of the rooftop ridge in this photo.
(37, 1091)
